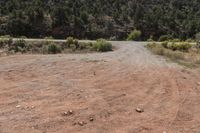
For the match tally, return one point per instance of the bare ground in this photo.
(102, 89)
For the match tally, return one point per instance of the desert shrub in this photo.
(164, 44)
(48, 38)
(197, 45)
(189, 40)
(69, 41)
(84, 45)
(165, 38)
(197, 36)
(183, 46)
(5, 42)
(19, 46)
(160, 50)
(150, 39)
(102, 46)
(175, 40)
(52, 48)
(5, 36)
(134, 35)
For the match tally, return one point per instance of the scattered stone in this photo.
(198, 83)
(70, 112)
(94, 73)
(139, 110)
(18, 106)
(81, 123)
(164, 132)
(91, 119)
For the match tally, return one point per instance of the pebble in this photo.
(91, 119)
(82, 123)
(18, 106)
(139, 110)
(70, 112)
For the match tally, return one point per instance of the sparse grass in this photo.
(102, 46)
(182, 53)
(10, 46)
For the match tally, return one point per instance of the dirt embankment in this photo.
(98, 93)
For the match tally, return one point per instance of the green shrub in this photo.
(19, 46)
(102, 46)
(189, 40)
(197, 36)
(52, 48)
(69, 41)
(165, 38)
(5, 42)
(164, 44)
(175, 40)
(179, 46)
(134, 35)
(5, 37)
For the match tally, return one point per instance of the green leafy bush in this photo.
(69, 41)
(165, 38)
(134, 35)
(102, 46)
(52, 48)
(179, 46)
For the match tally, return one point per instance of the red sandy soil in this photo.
(102, 90)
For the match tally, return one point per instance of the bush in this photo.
(179, 46)
(48, 38)
(150, 39)
(102, 46)
(5, 36)
(165, 44)
(165, 38)
(197, 36)
(175, 40)
(52, 48)
(5, 42)
(19, 46)
(70, 40)
(190, 40)
(198, 45)
(134, 35)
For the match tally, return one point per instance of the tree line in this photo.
(91, 19)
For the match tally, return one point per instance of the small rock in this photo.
(198, 83)
(70, 112)
(18, 106)
(164, 132)
(139, 110)
(91, 119)
(94, 73)
(81, 123)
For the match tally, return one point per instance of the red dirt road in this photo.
(102, 89)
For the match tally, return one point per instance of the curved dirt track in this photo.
(102, 89)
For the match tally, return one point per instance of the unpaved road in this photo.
(102, 89)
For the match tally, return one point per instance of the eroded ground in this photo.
(102, 90)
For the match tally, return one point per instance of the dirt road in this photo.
(98, 93)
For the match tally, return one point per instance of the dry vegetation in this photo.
(184, 53)
(48, 46)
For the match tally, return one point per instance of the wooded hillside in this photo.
(99, 18)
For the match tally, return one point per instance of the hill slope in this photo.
(99, 18)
